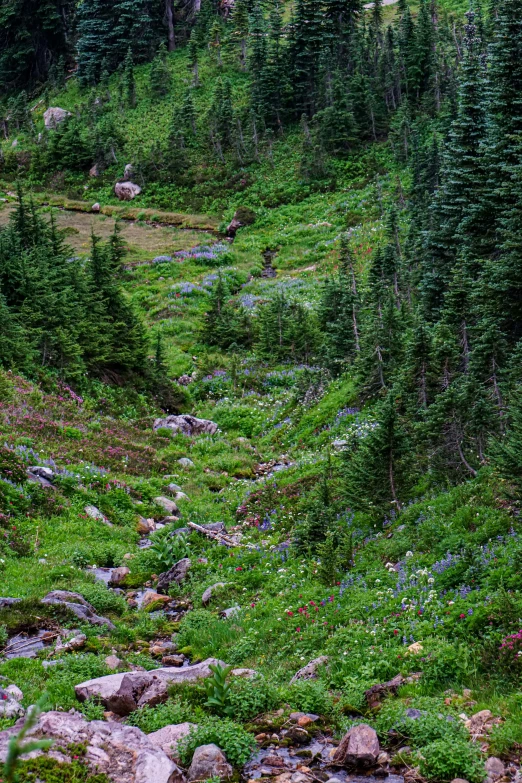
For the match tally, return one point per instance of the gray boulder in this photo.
(126, 191)
(209, 762)
(207, 595)
(123, 753)
(168, 737)
(95, 513)
(167, 505)
(359, 747)
(188, 425)
(118, 575)
(177, 573)
(53, 116)
(126, 691)
(76, 604)
(309, 672)
(185, 462)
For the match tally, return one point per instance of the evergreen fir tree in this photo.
(129, 83)
(160, 74)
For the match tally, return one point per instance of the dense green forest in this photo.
(301, 221)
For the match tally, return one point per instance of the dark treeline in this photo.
(63, 315)
(434, 330)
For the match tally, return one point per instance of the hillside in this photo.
(260, 424)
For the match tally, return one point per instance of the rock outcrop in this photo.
(188, 425)
(126, 691)
(53, 116)
(123, 753)
(126, 191)
(177, 573)
(309, 672)
(77, 604)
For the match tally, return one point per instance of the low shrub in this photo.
(236, 743)
(443, 761)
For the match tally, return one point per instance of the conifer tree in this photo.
(159, 73)
(193, 57)
(129, 83)
(460, 181)
(378, 472)
(240, 26)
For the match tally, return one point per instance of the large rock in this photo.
(168, 737)
(177, 573)
(123, 753)
(95, 513)
(76, 604)
(53, 116)
(359, 747)
(209, 762)
(207, 595)
(167, 505)
(126, 691)
(309, 672)
(126, 191)
(188, 425)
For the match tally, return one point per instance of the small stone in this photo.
(207, 595)
(118, 575)
(383, 758)
(467, 694)
(15, 692)
(208, 762)
(359, 747)
(261, 737)
(113, 662)
(151, 597)
(167, 505)
(309, 671)
(145, 526)
(298, 735)
(185, 462)
(173, 660)
(95, 207)
(459, 780)
(95, 513)
(298, 777)
(415, 648)
(304, 721)
(495, 768)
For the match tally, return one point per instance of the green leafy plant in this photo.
(218, 690)
(168, 550)
(236, 743)
(443, 761)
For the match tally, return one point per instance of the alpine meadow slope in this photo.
(260, 391)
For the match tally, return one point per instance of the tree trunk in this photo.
(170, 25)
